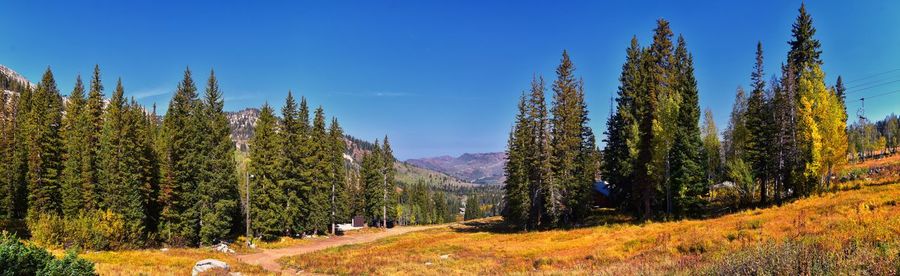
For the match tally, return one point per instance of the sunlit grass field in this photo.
(176, 261)
(853, 231)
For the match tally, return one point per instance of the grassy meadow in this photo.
(853, 231)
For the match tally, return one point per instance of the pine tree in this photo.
(122, 182)
(621, 135)
(390, 188)
(93, 120)
(44, 148)
(473, 207)
(19, 168)
(804, 48)
(340, 200)
(217, 186)
(517, 183)
(180, 217)
(74, 134)
(8, 102)
(757, 125)
(319, 197)
(266, 197)
(840, 91)
(294, 177)
(145, 137)
(686, 159)
(373, 184)
(571, 154)
(537, 153)
(657, 60)
(787, 165)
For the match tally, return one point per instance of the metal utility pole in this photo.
(332, 209)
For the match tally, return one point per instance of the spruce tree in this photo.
(180, 217)
(686, 161)
(804, 47)
(517, 188)
(657, 60)
(19, 168)
(93, 123)
(122, 181)
(44, 149)
(537, 151)
(571, 153)
(373, 184)
(340, 200)
(266, 197)
(293, 178)
(217, 186)
(74, 134)
(757, 125)
(390, 188)
(319, 196)
(840, 90)
(8, 102)
(621, 136)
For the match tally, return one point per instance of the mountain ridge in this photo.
(481, 168)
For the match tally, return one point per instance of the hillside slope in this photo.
(482, 168)
(849, 232)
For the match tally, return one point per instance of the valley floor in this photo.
(856, 231)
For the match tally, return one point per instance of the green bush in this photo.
(17, 258)
(95, 230)
(69, 265)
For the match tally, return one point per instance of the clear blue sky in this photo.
(438, 77)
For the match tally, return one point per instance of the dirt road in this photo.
(267, 258)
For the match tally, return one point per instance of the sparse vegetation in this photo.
(834, 233)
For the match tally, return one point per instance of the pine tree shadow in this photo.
(496, 225)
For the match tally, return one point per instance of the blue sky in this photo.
(438, 77)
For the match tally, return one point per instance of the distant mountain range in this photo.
(481, 168)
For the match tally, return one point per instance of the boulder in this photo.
(207, 265)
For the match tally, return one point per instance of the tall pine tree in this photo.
(217, 186)
(572, 151)
(74, 134)
(266, 197)
(44, 149)
(621, 135)
(179, 218)
(686, 160)
(122, 180)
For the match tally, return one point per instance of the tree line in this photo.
(84, 171)
(871, 139)
(783, 140)
(552, 159)
(786, 138)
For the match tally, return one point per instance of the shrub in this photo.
(17, 258)
(798, 257)
(68, 265)
(96, 230)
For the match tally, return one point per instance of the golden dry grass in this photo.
(176, 261)
(870, 213)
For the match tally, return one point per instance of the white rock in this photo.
(208, 264)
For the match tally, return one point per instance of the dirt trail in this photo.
(267, 258)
